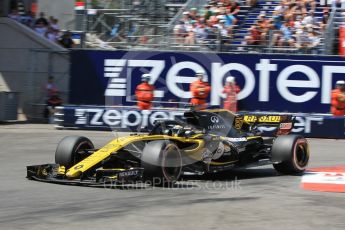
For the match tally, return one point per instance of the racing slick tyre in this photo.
(70, 150)
(162, 163)
(290, 154)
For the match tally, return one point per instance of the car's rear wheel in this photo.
(162, 163)
(71, 150)
(290, 154)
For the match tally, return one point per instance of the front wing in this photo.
(54, 173)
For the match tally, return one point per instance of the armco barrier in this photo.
(126, 118)
(293, 83)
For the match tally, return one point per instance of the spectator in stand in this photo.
(254, 37)
(207, 12)
(214, 17)
(251, 3)
(325, 17)
(258, 33)
(310, 5)
(45, 28)
(42, 20)
(277, 21)
(230, 19)
(280, 9)
(186, 18)
(314, 41)
(264, 25)
(193, 14)
(234, 8)
(200, 34)
(190, 38)
(52, 34)
(66, 40)
(286, 36)
(40, 28)
(224, 32)
(309, 19)
(180, 32)
(301, 39)
(14, 15)
(297, 25)
(28, 19)
(50, 20)
(215, 21)
(54, 24)
(213, 6)
(212, 37)
(296, 7)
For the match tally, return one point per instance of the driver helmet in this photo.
(230, 79)
(145, 77)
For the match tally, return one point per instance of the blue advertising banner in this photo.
(292, 83)
(130, 119)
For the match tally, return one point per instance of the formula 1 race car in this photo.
(202, 142)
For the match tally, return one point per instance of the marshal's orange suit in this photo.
(338, 102)
(200, 91)
(144, 95)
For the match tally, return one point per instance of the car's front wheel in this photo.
(71, 150)
(290, 154)
(162, 162)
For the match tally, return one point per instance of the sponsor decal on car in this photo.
(128, 173)
(239, 139)
(285, 126)
(262, 119)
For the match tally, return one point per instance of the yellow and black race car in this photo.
(206, 141)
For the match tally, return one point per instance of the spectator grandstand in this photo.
(267, 26)
(264, 26)
(45, 27)
(286, 25)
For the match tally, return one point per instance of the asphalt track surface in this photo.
(258, 199)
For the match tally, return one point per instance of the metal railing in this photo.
(329, 34)
(167, 39)
(188, 5)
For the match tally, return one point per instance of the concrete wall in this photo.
(4, 7)
(61, 9)
(26, 61)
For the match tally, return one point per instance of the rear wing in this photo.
(284, 123)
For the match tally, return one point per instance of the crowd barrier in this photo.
(130, 119)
